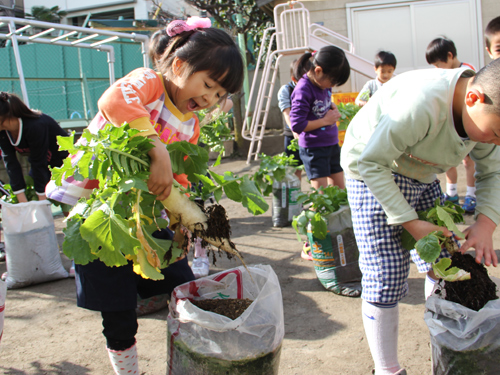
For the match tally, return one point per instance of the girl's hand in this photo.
(21, 197)
(332, 116)
(419, 229)
(480, 236)
(161, 178)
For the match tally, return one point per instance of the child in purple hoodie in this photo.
(313, 115)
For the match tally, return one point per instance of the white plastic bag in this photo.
(30, 244)
(464, 341)
(202, 342)
(3, 292)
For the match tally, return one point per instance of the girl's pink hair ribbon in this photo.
(178, 26)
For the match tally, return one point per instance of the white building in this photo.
(111, 9)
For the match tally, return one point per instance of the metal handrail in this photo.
(84, 34)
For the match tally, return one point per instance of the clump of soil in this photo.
(473, 293)
(231, 307)
(217, 227)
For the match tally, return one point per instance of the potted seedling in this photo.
(326, 221)
(463, 315)
(215, 132)
(276, 174)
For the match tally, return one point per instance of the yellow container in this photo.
(344, 97)
(341, 137)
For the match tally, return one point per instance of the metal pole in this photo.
(111, 64)
(15, 47)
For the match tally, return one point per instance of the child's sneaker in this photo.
(451, 198)
(4, 276)
(306, 251)
(469, 205)
(200, 267)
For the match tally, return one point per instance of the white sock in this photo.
(471, 191)
(429, 286)
(381, 328)
(124, 362)
(451, 189)
(199, 251)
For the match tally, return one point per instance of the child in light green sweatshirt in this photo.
(418, 125)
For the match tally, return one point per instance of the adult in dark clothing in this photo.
(28, 132)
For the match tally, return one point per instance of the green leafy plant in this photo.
(29, 192)
(321, 203)
(347, 113)
(214, 130)
(272, 168)
(429, 247)
(116, 223)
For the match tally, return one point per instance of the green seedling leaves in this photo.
(252, 198)
(429, 247)
(318, 225)
(444, 271)
(321, 203)
(441, 215)
(447, 219)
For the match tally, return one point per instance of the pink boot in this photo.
(124, 361)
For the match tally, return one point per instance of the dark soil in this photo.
(218, 227)
(473, 293)
(231, 307)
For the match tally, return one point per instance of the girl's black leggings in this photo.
(120, 328)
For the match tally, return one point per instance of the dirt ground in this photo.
(45, 333)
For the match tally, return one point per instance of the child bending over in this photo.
(418, 125)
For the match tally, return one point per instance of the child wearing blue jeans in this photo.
(419, 124)
(313, 115)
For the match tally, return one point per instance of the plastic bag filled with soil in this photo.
(201, 342)
(285, 205)
(464, 341)
(335, 258)
(30, 244)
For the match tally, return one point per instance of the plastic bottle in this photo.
(285, 205)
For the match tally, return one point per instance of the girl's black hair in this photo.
(438, 50)
(157, 45)
(12, 106)
(208, 49)
(331, 59)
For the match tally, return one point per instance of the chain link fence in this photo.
(65, 82)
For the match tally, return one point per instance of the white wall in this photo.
(142, 8)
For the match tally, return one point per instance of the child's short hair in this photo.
(488, 78)
(492, 28)
(331, 59)
(385, 58)
(206, 49)
(438, 50)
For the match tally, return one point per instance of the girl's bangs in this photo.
(227, 69)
